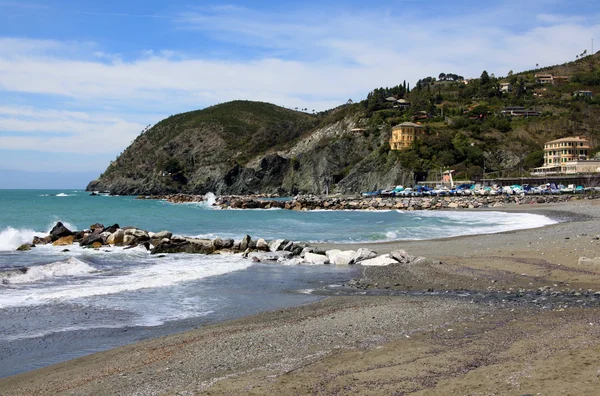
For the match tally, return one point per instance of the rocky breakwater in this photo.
(312, 202)
(175, 198)
(258, 250)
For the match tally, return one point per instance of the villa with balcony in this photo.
(565, 155)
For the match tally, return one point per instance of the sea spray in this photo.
(12, 238)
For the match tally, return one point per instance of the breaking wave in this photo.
(70, 267)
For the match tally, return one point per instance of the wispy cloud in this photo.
(294, 59)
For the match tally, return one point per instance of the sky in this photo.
(79, 80)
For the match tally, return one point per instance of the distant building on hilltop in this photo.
(404, 134)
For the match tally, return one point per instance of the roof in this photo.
(409, 124)
(402, 101)
(569, 139)
(390, 99)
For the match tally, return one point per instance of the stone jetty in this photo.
(311, 202)
(97, 236)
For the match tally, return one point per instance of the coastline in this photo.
(434, 344)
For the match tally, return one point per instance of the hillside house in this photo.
(519, 111)
(506, 87)
(550, 79)
(584, 94)
(404, 134)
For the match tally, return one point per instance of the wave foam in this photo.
(62, 195)
(69, 267)
(171, 271)
(12, 238)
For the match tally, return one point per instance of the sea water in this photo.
(75, 302)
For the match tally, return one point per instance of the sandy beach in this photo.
(505, 314)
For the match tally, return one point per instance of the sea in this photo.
(77, 302)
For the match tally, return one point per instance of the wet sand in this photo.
(510, 313)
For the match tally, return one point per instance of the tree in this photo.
(485, 78)
(510, 73)
(442, 76)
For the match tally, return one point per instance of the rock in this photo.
(297, 250)
(42, 241)
(339, 257)
(400, 256)
(245, 242)
(112, 229)
(218, 243)
(261, 244)
(364, 254)
(177, 238)
(90, 239)
(270, 256)
(163, 234)
(288, 246)
(97, 245)
(25, 247)
(97, 228)
(276, 244)
(227, 243)
(379, 261)
(453, 205)
(64, 241)
(116, 238)
(59, 231)
(313, 258)
(184, 247)
(128, 240)
(141, 235)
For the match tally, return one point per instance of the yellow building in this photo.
(558, 152)
(404, 134)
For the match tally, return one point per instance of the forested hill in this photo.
(249, 147)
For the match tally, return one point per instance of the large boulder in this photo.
(116, 238)
(64, 241)
(245, 243)
(277, 244)
(90, 239)
(184, 247)
(112, 229)
(163, 234)
(97, 228)
(25, 247)
(261, 244)
(312, 258)
(364, 254)
(379, 261)
(401, 256)
(339, 257)
(59, 231)
(42, 241)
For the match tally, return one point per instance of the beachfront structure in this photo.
(573, 151)
(581, 166)
(404, 134)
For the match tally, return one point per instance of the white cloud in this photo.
(296, 61)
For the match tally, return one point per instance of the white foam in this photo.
(169, 271)
(62, 195)
(12, 238)
(210, 199)
(69, 267)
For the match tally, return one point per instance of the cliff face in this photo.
(249, 147)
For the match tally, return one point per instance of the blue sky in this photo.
(79, 80)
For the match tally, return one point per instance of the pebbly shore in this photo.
(523, 319)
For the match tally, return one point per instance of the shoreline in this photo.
(338, 350)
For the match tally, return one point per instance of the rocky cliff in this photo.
(244, 147)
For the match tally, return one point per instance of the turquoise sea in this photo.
(69, 304)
